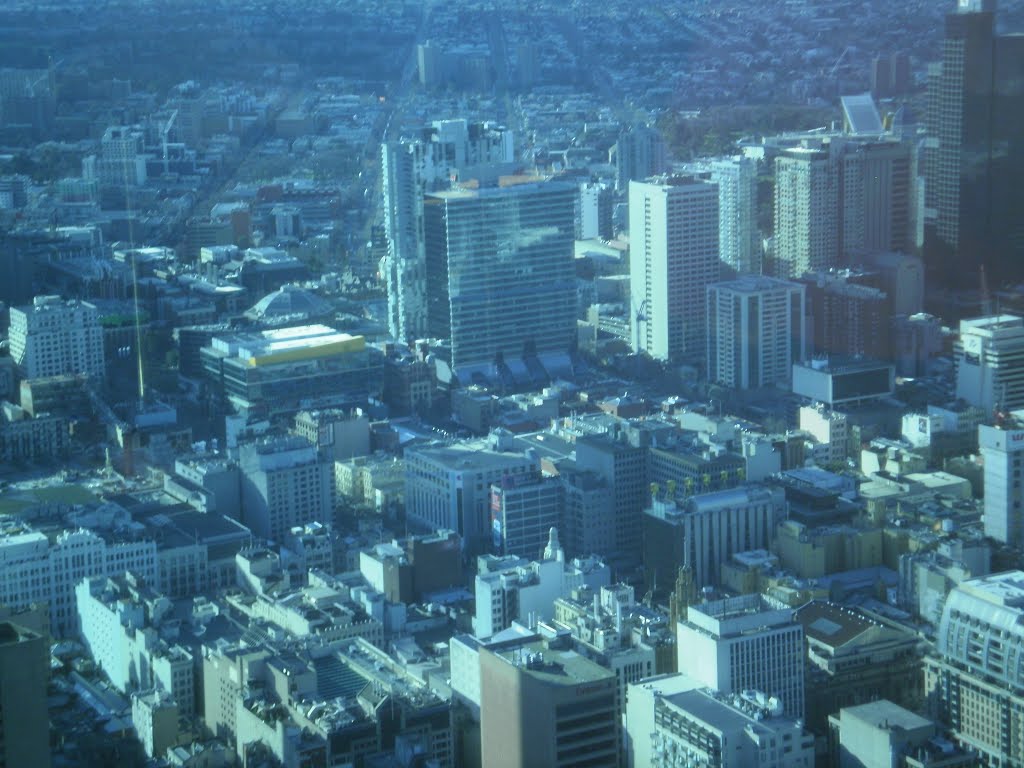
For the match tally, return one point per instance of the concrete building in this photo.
(806, 212)
(706, 530)
(283, 370)
(990, 362)
(672, 720)
(54, 337)
(854, 658)
(756, 331)
(120, 625)
(744, 642)
(24, 674)
(882, 734)
(511, 589)
(975, 678)
(673, 257)
(449, 486)
(285, 483)
(25, 438)
(155, 719)
(45, 569)
(739, 240)
(500, 279)
(410, 168)
(1002, 447)
(639, 153)
(541, 704)
(830, 430)
(523, 511)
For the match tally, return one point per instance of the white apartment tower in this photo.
(806, 212)
(739, 241)
(756, 331)
(673, 257)
(410, 168)
(54, 337)
(990, 362)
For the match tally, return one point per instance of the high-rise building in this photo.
(744, 642)
(806, 211)
(639, 153)
(541, 704)
(874, 197)
(54, 337)
(739, 241)
(410, 168)
(449, 486)
(974, 155)
(673, 257)
(975, 676)
(1002, 447)
(706, 530)
(846, 318)
(523, 511)
(500, 277)
(756, 331)
(24, 720)
(284, 484)
(990, 362)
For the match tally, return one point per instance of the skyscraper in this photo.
(756, 331)
(974, 156)
(410, 168)
(24, 721)
(639, 153)
(499, 270)
(990, 363)
(806, 211)
(1002, 448)
(739, 241)
(673, 257)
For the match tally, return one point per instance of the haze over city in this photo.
(408, 384)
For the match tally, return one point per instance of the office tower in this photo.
(744, 642)
(874, 197)
(739, 241)
(500, 276)
(622, 459)
(845, 318)
(639, 153)
(673, 257)
(24, 720)
(410, 168)
(594, 214)
(670, 721)
(449, 486)
(974, 154)
(975, 677)
(284, 484)
(806, 212)
(990, 363)
(1002, 448)
(541, 704)
(756, 331)
(706, 530)
(122, 160)
(53, 337)
(881, 77)
(523, 511)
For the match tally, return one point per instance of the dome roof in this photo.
(288, 300)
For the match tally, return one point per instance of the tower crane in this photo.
(163, 137)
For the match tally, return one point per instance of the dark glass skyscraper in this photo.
(974, 157)
(500, 275)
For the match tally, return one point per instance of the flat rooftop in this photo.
(553, 666)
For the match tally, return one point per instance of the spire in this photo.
(553, 551)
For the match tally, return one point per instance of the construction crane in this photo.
(163, 137)
(832, 72)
